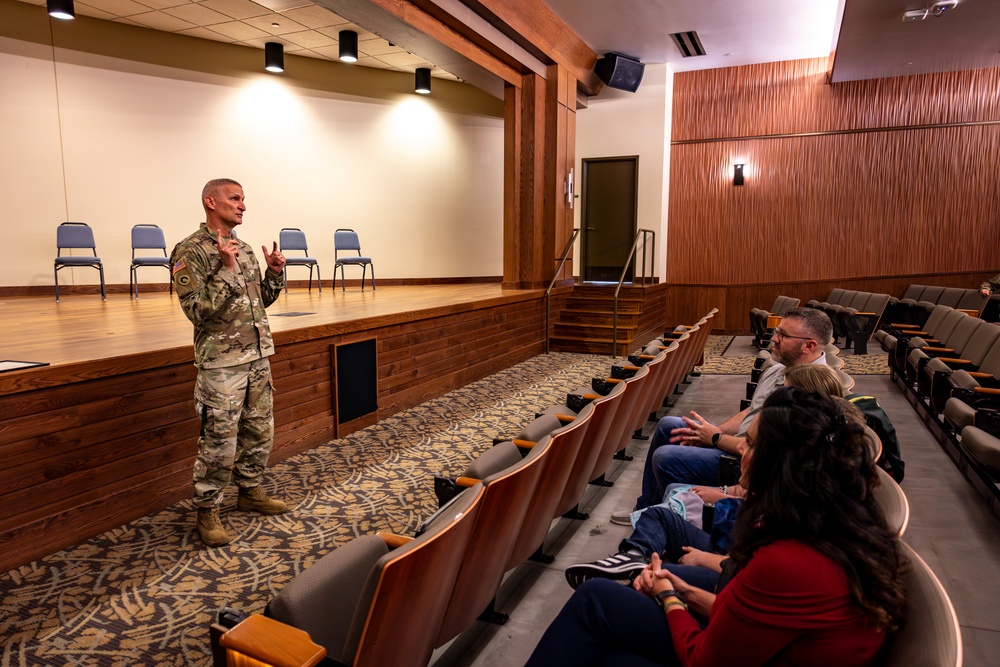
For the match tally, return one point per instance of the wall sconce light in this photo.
(737, 174)
(274, 57)
(60, 9)
(422, 81)
(348, 46)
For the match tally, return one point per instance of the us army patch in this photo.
(182, 277)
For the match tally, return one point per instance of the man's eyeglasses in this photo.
(778, 331)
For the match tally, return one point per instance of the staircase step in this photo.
(604, 304)
(600, 331)
(598, 317)
(586, 345)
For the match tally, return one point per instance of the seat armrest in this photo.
(394, 541)
(524, 444)
(272, 643)
(466, 482)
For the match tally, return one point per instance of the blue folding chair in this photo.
(148, 237)
(347, 240)
(77, 235)
(293, 238)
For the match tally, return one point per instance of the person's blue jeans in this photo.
(671, 464)
(605, 623)
(664, 532)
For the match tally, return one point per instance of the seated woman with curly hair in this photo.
(818, 578)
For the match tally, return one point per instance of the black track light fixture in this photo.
(274, 57)
(348, 46)
(422, 81)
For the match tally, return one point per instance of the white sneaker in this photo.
(622, 518)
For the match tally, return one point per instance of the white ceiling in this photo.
(732, 32)
(869, 36)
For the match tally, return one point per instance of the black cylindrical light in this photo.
(274, 57)
(422, 81)
(348, 46)
(60, 9)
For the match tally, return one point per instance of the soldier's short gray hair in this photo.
(214, 185)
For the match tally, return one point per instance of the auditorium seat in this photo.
(380, 599)
(930, 636)
(952, 345)
(931, 382)
(984, 446)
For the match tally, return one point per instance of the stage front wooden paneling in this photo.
(107, 432)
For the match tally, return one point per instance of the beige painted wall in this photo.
(114, 143)
(619, 123)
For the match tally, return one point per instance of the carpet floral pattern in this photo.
(145, 593)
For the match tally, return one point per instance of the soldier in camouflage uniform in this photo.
(990, 286)
(223, 292)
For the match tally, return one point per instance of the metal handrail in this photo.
(645, 246)
(565, 255)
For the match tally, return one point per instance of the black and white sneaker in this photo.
(619, 566)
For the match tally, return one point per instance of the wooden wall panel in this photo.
(794, 96)
(83, 457)
(868, 184)
(835, 206)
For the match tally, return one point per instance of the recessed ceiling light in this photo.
(275, 25)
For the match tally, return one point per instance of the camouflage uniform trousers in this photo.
(237, 428)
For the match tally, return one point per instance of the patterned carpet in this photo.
(145, 593)
(720, 358)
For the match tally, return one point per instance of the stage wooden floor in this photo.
(105, 433)
(82, 330)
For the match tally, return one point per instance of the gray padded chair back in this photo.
(835, 295)
(859, 301)
(936, 317)
(950, 296)
(982, 341)
(930, 636)
(931, 294)
(948, 324)
(983, 446)
(962, 333)
(912, 293)
(539, 428)
(334, 598)
(876, 303)
(498, 457)
(972, 300)
(846, 297)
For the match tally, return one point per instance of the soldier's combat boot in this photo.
(257, 500)
(210, 527)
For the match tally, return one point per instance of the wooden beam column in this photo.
(560, 158)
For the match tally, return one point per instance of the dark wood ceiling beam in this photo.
(537, 29)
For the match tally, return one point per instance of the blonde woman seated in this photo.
(818, 572)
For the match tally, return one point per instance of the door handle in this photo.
(590, 229)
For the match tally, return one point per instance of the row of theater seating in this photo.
(450, 573)
(855, 315)
(387, 600)
(917, 302)
(951, 367)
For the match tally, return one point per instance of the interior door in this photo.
(609, 216)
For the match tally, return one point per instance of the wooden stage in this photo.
(106, 432)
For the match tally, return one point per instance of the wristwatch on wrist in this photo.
(715, 438)
(663, 595)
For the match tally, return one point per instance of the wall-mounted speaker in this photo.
(620, 71)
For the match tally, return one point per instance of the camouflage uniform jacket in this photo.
(226, 307)
(993, 284)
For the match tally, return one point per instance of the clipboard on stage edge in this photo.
(13, 365)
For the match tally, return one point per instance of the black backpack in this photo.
(891, 460)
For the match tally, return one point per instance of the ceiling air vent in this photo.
(688, 43)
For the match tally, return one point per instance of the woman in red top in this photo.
(818, 571)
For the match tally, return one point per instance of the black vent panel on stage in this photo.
(357, 380)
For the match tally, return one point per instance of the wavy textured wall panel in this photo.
(794, 96)
(871, 181)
